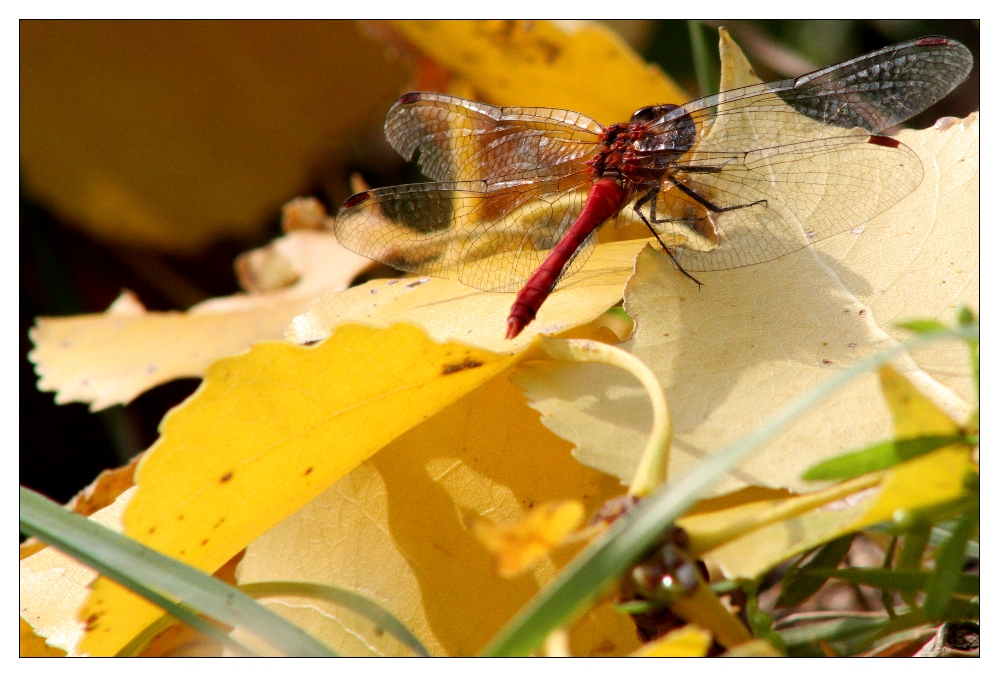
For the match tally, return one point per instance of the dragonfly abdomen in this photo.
(604, 200)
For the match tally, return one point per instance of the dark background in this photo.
(64, 271)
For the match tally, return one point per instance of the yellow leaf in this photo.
(53, 586)
(687, 641)
(180, 640)
(266, 432)
(756, 552)
(33, 645)
(580, 66)
(921, 259)
(768, 532)
(201, 132)
(111, 358)
(518, 545)
(398, 529)
(449, 310)
(913, 413)
(931, 479)
(751, 340)
(707, 531)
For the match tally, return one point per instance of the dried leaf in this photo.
(202, 132)
(544, 63)
(399, 529)
(53, 586)
(266, 432)
(687, 641)
(738, 350)
(111, 358)
(106, 488)
(449, 310)
(33, 645)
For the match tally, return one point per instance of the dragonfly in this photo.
(735, 179)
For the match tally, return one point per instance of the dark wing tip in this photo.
(356, 199)
(931, 40)
(880, 140)
(409, 98)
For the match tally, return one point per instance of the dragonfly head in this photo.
(667, 128)
(648, 114)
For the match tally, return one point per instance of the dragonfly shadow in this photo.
(747, 343)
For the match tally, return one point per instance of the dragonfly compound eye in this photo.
(648, 114)
(675, 134)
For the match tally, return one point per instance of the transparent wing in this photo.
(872, 92)
(795, 161)
(460, 140)
(488, 237)
(782, 199)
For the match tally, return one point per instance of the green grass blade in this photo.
(703, 62)
(359, 604)
(942, 533)
(948, 567)
(876, 457)
(897, 580)
(598, 566)
(802, 582)
(144, 571)
(922, 326)
(830, 630)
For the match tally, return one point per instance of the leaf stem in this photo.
(652, 469)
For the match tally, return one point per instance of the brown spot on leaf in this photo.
(152, 530)
(308, 471)
(91, 622)
(226, 478)
(458, 367)
(204, 541)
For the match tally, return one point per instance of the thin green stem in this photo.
(652, 469)
(702, 58)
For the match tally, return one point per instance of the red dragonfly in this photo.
(735, 179)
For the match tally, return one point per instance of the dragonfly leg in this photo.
(651, 198)
(708, 204)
